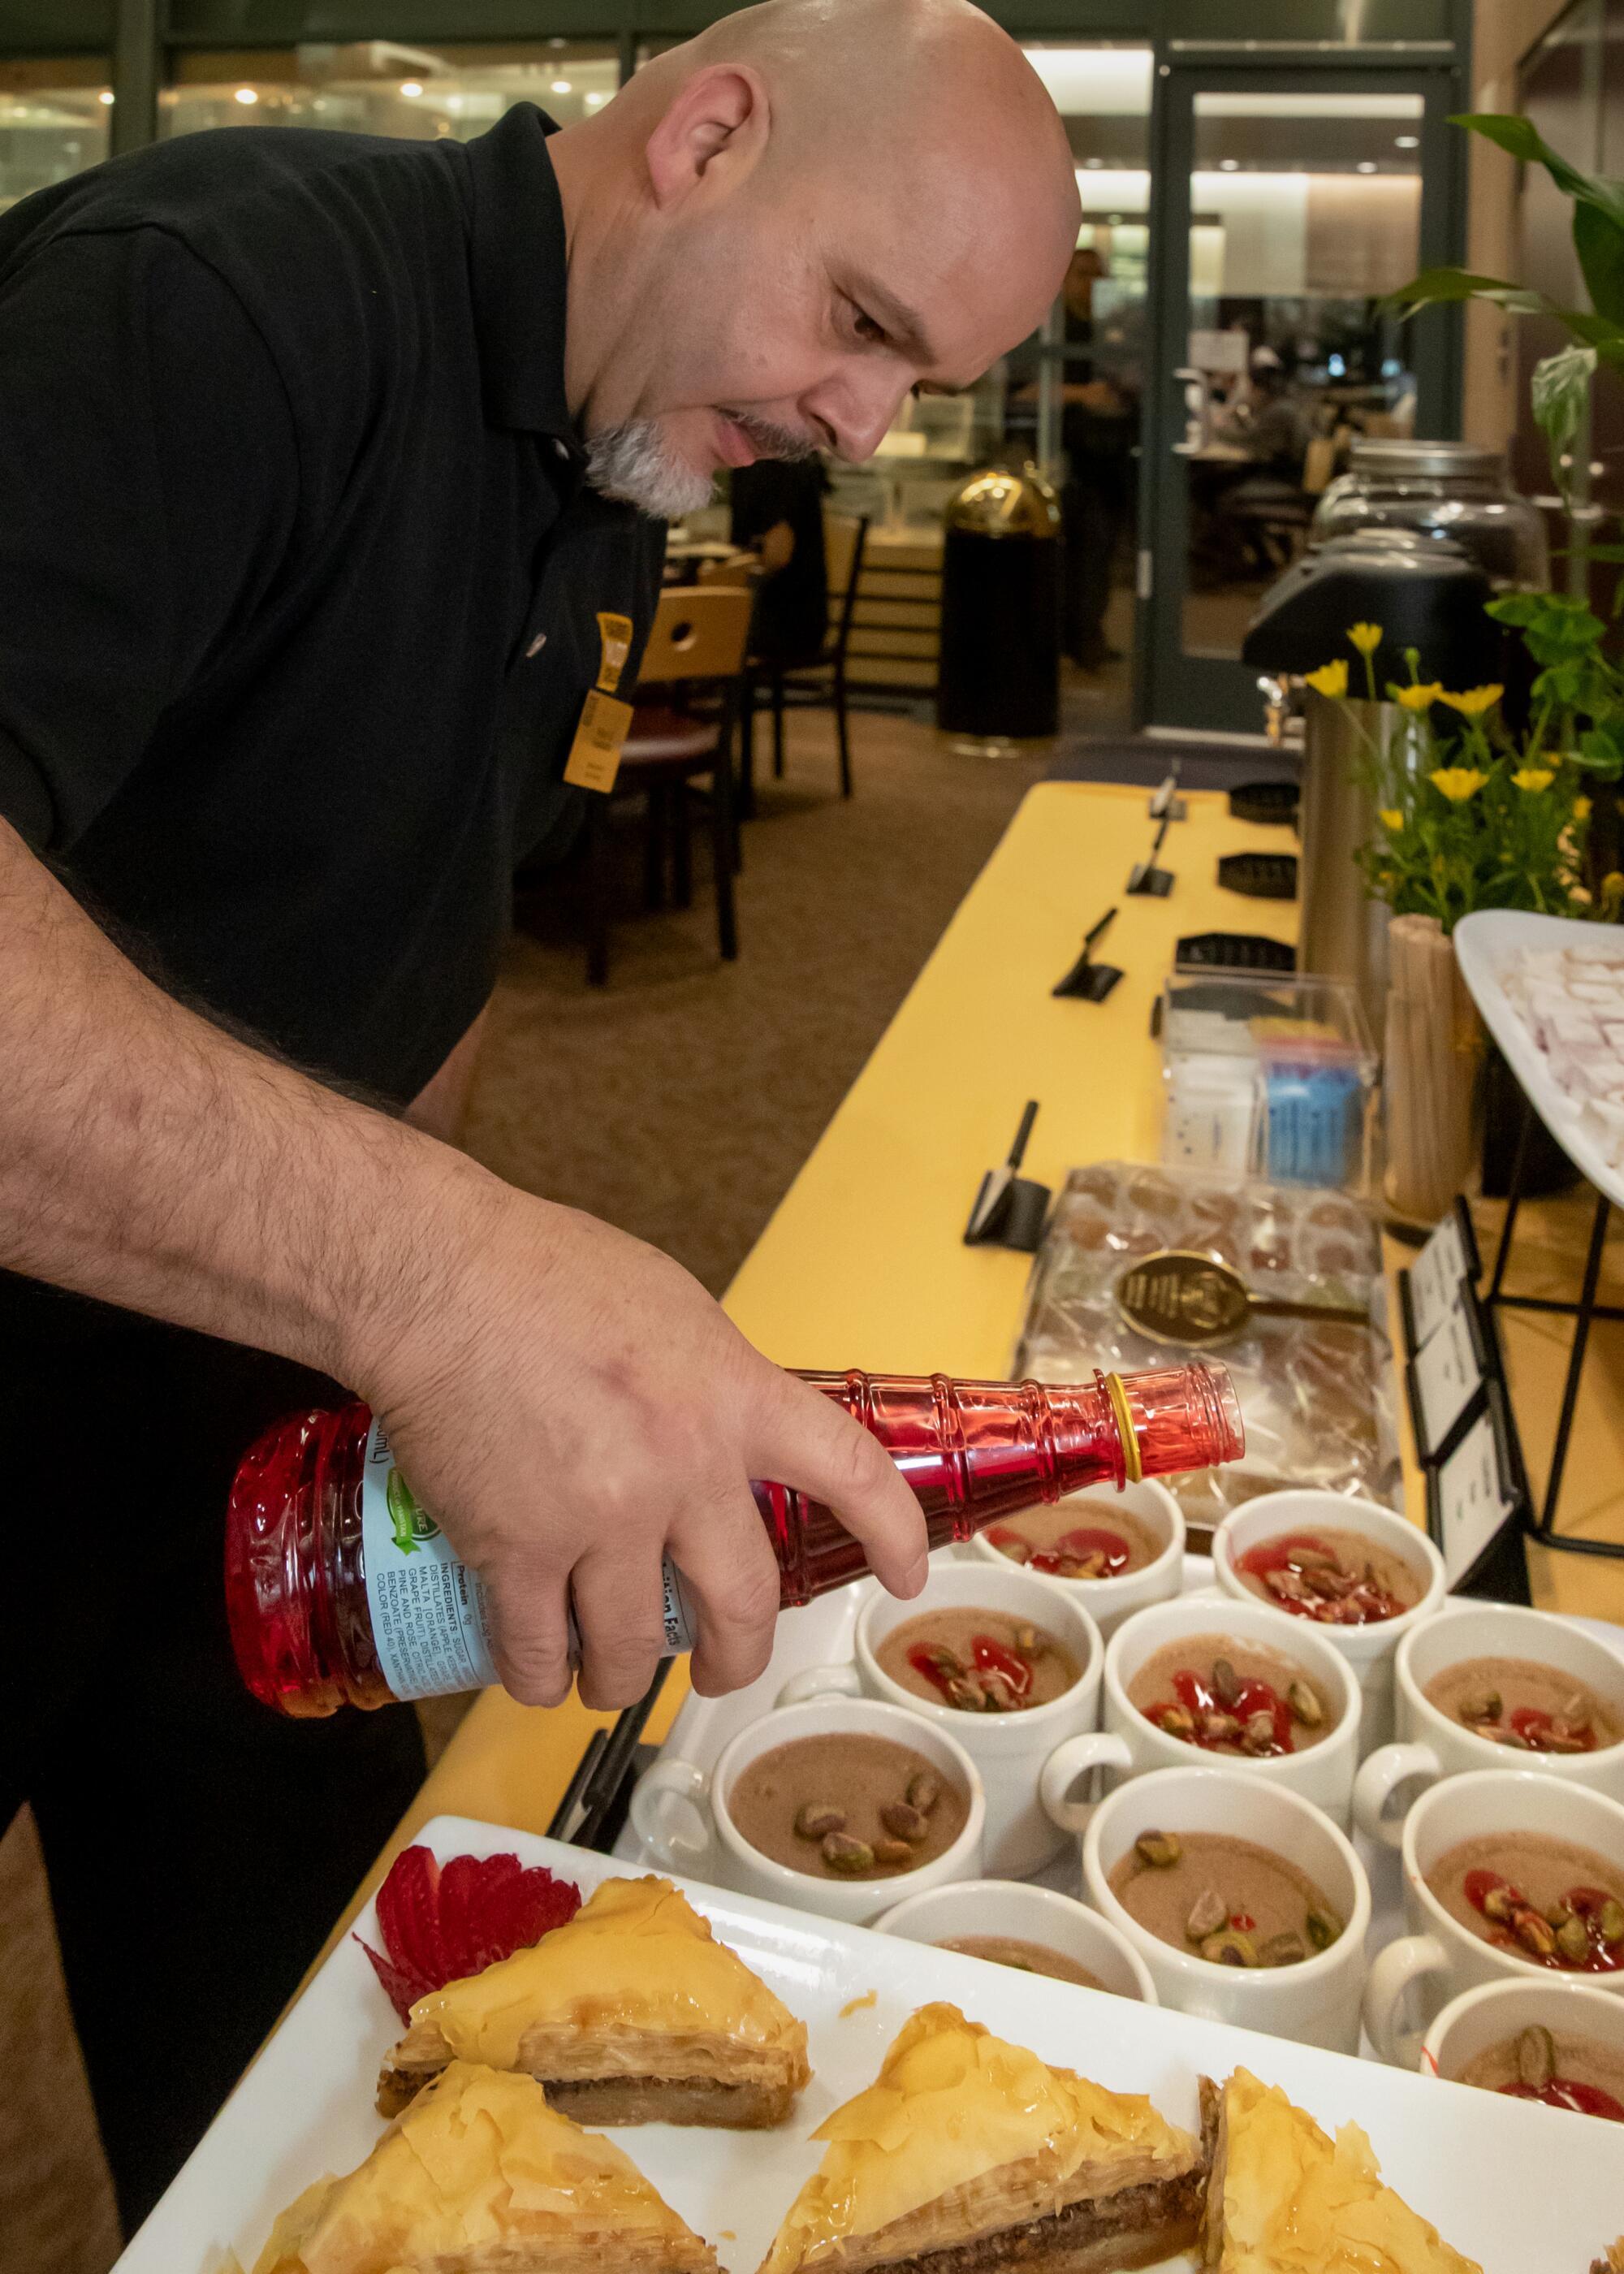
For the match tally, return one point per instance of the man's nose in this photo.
(860, 405)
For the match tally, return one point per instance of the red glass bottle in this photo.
(340, 1588)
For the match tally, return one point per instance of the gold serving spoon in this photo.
(1179, 1295)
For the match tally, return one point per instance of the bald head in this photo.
(778, 228)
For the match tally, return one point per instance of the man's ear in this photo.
(721, 114)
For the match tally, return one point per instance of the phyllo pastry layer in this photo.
(1285, 2199)
(968, 2146)
(480, 2176)
(631, 2014)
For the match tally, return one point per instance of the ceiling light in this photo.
(1115, 220)
(561, 86)
(106, 95)
(1229, 165)
(1366, 166)
(1093, 162)
(594, 99)
(247, 94)
(1406, 141)
(411, 87)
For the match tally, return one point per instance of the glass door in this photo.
(1292, 204)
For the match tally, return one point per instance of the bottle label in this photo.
(428, 1609)
(430, 1623)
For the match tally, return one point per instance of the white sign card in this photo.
(1435, 1277)
(1471, 1497)
(1448, 1373)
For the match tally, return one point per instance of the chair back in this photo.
(697, 634)
(740, 572)
(845, 539)
(1318, 464)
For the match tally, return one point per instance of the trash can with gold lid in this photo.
(999, 673)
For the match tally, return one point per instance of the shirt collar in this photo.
(519, 266)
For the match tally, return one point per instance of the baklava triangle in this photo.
(480, 2176)
(967, 2145)
(632, 2014)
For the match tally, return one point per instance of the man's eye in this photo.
(865, 326)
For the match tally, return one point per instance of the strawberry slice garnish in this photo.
(438, 1923)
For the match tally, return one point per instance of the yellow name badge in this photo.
(595, 753)
(615, 634)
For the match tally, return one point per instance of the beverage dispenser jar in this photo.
(1455, 490)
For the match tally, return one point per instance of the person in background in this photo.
(324, 458)
(1275, 430)
(775, 509)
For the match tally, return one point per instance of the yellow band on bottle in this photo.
(1133, 1468)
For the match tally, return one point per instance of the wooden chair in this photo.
(822, 678)
(687, 704)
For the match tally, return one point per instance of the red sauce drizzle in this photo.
(1567, 2092)
(990, 1657)
(1361, 1606)
(1533, 1723)
(1070, 1548)
(1195, 1694)
(1601, 1957)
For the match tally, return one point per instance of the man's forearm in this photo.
(149, 1158)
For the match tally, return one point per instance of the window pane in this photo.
(1306, 209)
(53, 121)
(379, 87)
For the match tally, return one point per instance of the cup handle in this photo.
(1411, 1959)
(821, 1681)
(1380, 1778)
(1094, 1749)
(659, 1785)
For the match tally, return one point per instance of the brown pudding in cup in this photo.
(1230, 1696)
(1557, 2068)
(1546, 1901)
(1524, 1705)
(977, 1662)
(1226, 1900)
(1027, 1957)
(1333, 1577)
(1082, 1538)
(847, 1807)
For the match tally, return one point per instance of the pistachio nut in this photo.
(1229, 1947)
(924, 1790)
(905, 1822)
(1207, 1913)
(1160, 1850)
(1536, 2056)
(817, 1819)
(844, 1854)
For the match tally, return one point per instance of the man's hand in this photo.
(568, 1403)
(573, 1407)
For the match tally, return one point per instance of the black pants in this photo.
(1094, 508)
(199, 1846)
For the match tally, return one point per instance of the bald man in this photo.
(324, 459)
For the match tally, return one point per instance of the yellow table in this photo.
(863, 1264)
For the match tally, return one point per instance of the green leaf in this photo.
(1521, 138)
(1517, 608)
(1601, 751)
(1559, 392)
(1455, 284)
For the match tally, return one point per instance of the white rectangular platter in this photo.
(1483, 944)
(1522, 2188)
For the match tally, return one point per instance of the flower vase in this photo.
(1434, 1050)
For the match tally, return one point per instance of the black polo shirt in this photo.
(298, 577)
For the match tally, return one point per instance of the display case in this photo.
(1266, 1076)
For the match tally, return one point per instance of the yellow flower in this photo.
(1390, 818)
(1418, 698)
(1331, 678)
(1457, 783)
(1533, 778)
(1475, 701)
(1366, 637)
(1581, 809)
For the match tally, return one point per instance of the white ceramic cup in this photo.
(1439, 1958)
(1109, 1601)
(1431, 1746)
(1478, 2019)
(1005, 1907)
(1128, 1745)
(681, 1816)
(1370, 1650)
(1009, 1749)
(1316, 2001)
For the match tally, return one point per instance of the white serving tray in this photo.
(1483, 944)
(1522, 2188)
